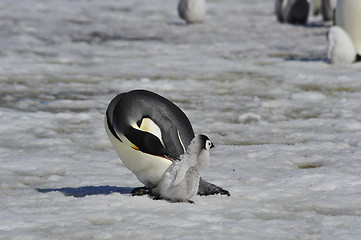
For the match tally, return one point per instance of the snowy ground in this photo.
(286, 124)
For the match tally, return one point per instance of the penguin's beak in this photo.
(212, 145)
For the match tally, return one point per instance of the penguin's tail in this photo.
(207, 188)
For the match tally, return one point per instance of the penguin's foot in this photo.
(141, 191)
(206, 188)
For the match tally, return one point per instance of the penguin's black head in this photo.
(207, 144)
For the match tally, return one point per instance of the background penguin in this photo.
(181, 180)
(149, 132)
(328, 8)
(292, 11)
(192, 11)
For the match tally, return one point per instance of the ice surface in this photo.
(286, 124)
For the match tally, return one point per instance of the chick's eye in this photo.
(208, 145)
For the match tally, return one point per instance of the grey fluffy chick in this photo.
(181, 180)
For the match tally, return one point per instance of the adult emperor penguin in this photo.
(344, 39)
(192, 11)
(181, 180)
(149, 132)
(292, 11)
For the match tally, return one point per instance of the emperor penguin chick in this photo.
(192, 11)
(181, 180)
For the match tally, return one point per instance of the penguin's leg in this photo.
(141, 191)
(207, 188)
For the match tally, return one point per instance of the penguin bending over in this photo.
(149, 132)
(181, 180)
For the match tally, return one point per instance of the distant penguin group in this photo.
(155, 140)
(344, 38)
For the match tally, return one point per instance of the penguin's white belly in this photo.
(340, 47)
(348, 16)
(148, 168)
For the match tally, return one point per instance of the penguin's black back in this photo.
(135, 105)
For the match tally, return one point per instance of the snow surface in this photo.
(286, 124)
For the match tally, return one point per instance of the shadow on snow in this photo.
(88, 190)
(307, 59)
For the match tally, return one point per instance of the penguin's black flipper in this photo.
(207, 188)
(146, 142)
